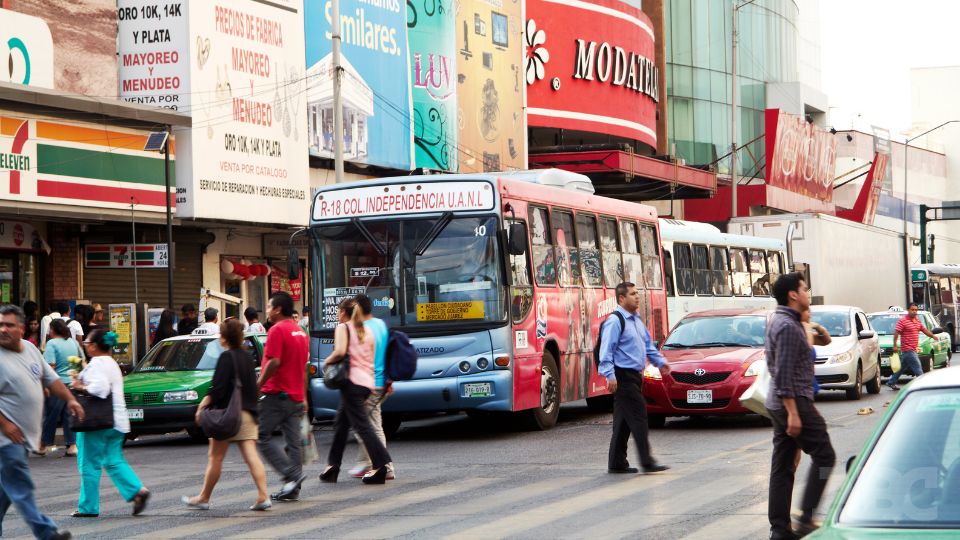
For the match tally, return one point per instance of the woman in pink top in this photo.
(352, 341)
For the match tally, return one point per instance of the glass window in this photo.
(946, 292)
(568, 260)
(680, 33)
(521, 293)
(740, 272)
(701, 85)
(758, 272)
(684, 262)
(775, 265)
(837, 323)
(652, 277)
(589, 253)
(701, 30)
(720, 275)
(725, 331)
(612, 262)
(701, 271)
(682, 81)
(668, 270)
(544, 264)
(632, 260)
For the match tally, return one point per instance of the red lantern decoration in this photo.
(241, 270)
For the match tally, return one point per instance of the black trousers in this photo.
(352, 411)
(814, 441)
(629, 417)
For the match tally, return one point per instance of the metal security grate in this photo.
(706, 378)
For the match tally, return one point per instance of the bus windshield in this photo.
(418, 272)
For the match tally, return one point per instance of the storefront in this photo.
(22, 249)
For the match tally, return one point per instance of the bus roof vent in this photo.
(554, 177)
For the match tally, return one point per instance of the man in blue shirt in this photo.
(624, 353)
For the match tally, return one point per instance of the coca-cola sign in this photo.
(801, 157)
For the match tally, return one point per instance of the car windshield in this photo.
(418, 272)
(911, 478)
(836, 322)
(726, 331)
(885, 324)
(194, 354)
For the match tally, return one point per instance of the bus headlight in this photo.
(652, 372)
(755, 369)
(841, 358)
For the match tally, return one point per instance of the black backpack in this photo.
(401, 357)
(596, 348)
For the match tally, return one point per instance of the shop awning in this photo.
(631, 177)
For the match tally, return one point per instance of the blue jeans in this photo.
(16, 487)
(910, 362)
(54, 412)
(96, 451)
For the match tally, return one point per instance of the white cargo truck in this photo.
(848, 263)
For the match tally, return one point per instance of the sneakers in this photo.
(290, 487)
(280, 496)
(893, 387)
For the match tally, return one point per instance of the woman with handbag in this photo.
(234, 374)
(100, 437)
(60, 347)
(357, 343)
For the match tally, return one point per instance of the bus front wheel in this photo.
(545, 416)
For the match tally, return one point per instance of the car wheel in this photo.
(600, 404)
(545, 416)
(656, 421)
(926, 363)
(873, 385)
(856, 392)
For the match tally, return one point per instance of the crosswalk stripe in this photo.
(371, 508)
(736, 522)
(546, 513)
(398, 526)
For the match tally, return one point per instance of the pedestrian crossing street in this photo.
(431, 502)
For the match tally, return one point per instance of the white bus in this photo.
(708, 269)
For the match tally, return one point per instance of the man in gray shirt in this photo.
(23, 376)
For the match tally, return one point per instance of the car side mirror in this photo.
(938, 330)
(517, 239)
(849, 465)
(867, 334)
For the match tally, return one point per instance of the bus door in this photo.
(936, 302)
(920, 295)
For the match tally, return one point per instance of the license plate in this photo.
(699, 396)
(135, 414)
(482, 389)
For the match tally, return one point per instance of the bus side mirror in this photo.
(293, 263)
(517, 239)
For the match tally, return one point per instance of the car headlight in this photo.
(652, 372)
(186, 395)
(755, 368)
(841, 358)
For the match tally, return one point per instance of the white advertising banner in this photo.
(245, 157)
(403, 199)
(154, 53)
(26, 48)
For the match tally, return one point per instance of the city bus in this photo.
(501, 280)
(708, 269)
(936, 288)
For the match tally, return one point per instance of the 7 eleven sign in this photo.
(126, 256)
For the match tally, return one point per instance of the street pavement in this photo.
(458, 477)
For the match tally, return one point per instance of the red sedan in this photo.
(711, 354)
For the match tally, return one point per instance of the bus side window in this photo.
(946, 293)
(701, 271)
(685, 281)
(544, 264)
(589, 253)
(720, 272)
(632, 259)
(740, 272)
(758, 271)
(775, 265)
(668, 270)
(567, 254)
(521, 293)
(610, 243)
(652, 276)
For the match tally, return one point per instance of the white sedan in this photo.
(851, 360)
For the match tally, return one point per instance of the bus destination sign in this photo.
(392, 199)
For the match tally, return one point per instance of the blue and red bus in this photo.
(501, 281)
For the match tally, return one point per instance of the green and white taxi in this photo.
(933, 352)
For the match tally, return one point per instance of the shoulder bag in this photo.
(755, 397)
(223, 424)
(334, 375)
(98, 412)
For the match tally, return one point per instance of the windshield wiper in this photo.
(717, 344)
(151, 368)
(381, 249)
(433, 233)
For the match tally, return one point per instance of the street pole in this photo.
(133, 253)
(166, 183)
(337, 96)
(733, 113)
(923, 234)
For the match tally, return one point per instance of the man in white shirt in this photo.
(45, 321)
(210, 324)
(76, 329)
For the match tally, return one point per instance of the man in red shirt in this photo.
(283, 403)
(909, 327)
